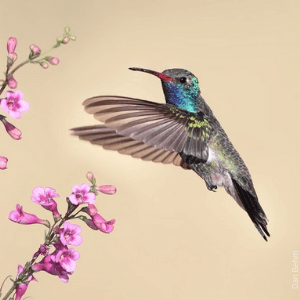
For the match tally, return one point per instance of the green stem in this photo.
(10, 291)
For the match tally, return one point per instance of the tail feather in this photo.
(253, 208)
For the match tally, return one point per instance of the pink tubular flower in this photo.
(3, 163)
(66, 258)
(69, 235)
(81, 194)
(107, 189)
(21, 217)
(14, 103)
(13, 131)
(44, 197)
(102, 225)
(11, 45)
(22, 287)
(92, 210)
(48, 265)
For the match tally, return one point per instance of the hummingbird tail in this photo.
(253, 208)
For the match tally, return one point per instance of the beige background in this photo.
(173, 238)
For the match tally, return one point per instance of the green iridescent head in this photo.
(181, 88)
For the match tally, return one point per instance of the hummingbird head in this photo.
(181, 87)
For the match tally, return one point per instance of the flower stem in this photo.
(10, 291)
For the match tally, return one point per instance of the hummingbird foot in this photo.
(211, 188)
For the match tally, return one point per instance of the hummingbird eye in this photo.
(182, 79)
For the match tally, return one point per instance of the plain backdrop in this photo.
(173, 239)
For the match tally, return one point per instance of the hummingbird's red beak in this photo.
(157, 74)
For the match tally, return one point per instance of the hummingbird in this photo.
(183, 131)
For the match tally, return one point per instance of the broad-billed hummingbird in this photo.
(184, 131)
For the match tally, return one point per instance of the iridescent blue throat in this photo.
(183, 97)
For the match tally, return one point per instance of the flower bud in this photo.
(12, 83)
(3, 163)
(11, 58)
(66, 40)
(67, 30)
(107, 189)
(72, 37)
(34, 50)
(59, 40)
(53, 61)
(11, 45)
(90, 177)
(14, 132)
(44, 64)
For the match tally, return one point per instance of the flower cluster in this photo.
(14, 104)
(61, 234)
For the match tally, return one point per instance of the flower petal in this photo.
(15, 114)
(73, 199)
(24, 105)
(4, 105)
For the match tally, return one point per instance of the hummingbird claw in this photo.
(212, 188)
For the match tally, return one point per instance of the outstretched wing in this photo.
(110, 140)
(162, 126)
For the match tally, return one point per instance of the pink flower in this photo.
(34, 49)
(102, 225)
(14, 104)
(12, 83)
(3, 163)
(21, 217)
(66, 258)
(107, 189)
(44, 197)
(11, 45)
(69, 235)
(22, 287)
(81, 194)
(48, 265)
(14, 132)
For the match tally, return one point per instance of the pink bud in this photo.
(12, 83)
(54, 61)
(44, 65)
(65, 40)
(14, 132)
(90, 176)
(11, 44)
(34, 49)
(3, 163)
(11, 58)
(107, 189)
